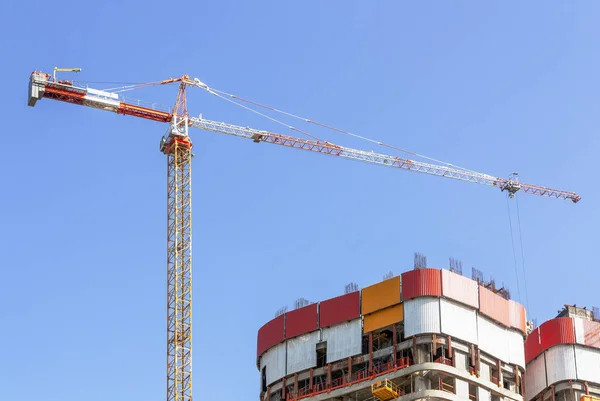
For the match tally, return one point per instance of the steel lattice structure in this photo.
(512, 186)
(177, 146)
(179, 270)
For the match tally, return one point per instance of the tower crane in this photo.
(177, 146)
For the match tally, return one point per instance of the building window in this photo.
(321, 354)
(472, 392)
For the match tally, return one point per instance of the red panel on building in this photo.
(557, 331)
(494, 306)
(532, 345)
(517, 316)
(421, 282)
(591, 334)
(301, 321)
(339, 309)
(270, 334)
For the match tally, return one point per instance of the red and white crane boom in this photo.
(43, 86)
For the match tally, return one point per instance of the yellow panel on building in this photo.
(589, 398)
(383, 318)
(381, 295)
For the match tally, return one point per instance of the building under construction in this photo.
(428, 333)
(563, 357)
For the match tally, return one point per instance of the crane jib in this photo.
(43, 85)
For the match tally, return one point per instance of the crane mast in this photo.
(178, 149)
(177, 146)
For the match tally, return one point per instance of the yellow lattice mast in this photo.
(178, 148)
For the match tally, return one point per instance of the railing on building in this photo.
(443, 386)
(365, 374)
(444, 360)
(355, 377)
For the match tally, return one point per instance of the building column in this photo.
(283, 389)
(349, 377)
(370, 353)
(500, 378)
(394, 343)
(295, 395)
(414, 347)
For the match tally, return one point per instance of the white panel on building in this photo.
(588, 363)
(492, 338)
(484, 371)
(458, 321)
(421, 315)
(462, 389)
(516, 346)
(460, 360)
(343, 340)
(483, 394)
(535, 377)
(560, 363)
(579, 331)
(274, 359)
(302, 352)
(460, 288)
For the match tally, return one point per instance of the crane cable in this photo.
(522, 253)
(129, 86)
(514, 251)
(125, 86)
(226, 96)
(512, 239)
(216, 92)
(209, 90)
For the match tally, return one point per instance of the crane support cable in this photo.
(125, 86)
(132, 87)
(509, 185)
(307, 120)
(209, 90)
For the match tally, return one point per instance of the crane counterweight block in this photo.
(42, 85)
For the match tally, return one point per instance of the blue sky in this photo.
(493, 86)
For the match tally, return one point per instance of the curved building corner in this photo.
(563, 358)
